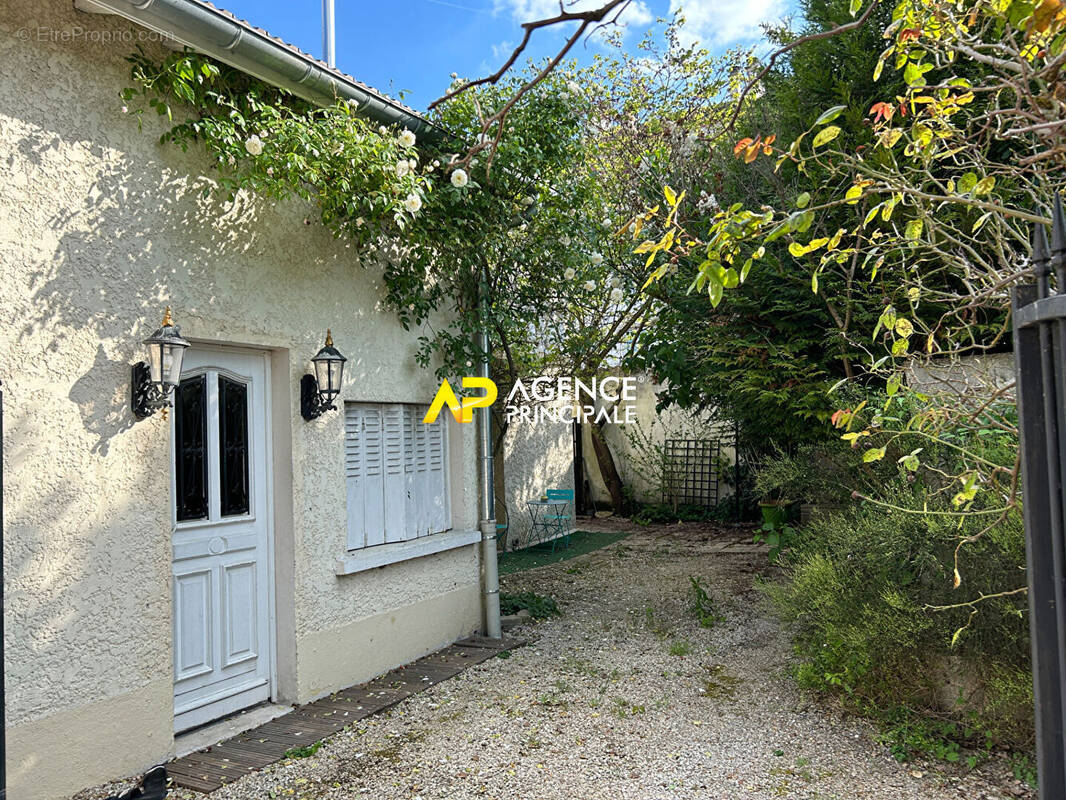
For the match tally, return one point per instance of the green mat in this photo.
(581, 542)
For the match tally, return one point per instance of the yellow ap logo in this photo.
(463, 412)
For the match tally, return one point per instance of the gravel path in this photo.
(625, 696)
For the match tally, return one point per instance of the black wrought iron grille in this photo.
(1039, 316)
(690, 474)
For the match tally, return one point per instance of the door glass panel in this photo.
(190, 451)
(233, 446)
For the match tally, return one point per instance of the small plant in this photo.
(680, 647)
(303, 752)
(1024, 770)
(538, 606)
(701, 606)
(778, 535)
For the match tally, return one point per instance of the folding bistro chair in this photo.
(561, 518)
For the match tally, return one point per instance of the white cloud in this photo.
(502, 50)
(722, 23)
(636, 14)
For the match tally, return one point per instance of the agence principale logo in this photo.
(543, 400)
(462, 411)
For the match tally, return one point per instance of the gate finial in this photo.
(1039, 258)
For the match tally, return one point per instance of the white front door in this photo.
(222, 577)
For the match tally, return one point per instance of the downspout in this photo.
(490, 573)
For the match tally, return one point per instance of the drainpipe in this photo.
(329, 36)
(491, 577)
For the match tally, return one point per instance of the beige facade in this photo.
(100, 227)
(634, 444)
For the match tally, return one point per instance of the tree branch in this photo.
(811, 37)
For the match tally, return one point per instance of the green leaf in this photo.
(826, 135)
(830, 114)
(853, 9)
(803, 200)
(967, 182)
(814, 283)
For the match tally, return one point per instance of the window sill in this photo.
(384, 554)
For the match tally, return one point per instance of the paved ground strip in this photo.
(211, 768)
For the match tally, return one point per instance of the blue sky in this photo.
(414, 45)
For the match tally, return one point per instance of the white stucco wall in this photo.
(536, 457)
(100, 227)
(961, 374)
(655, 427)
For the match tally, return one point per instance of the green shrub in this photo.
(538, 606)
(856, 593)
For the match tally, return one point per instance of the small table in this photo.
(544, 529)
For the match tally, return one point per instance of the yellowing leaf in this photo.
(826, 135)
(853, 194)
(913, 231)
(985, 185)
(671, 197)
(873, 454)
(904, 327)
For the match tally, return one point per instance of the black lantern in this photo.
(318, 391)
(154, 381)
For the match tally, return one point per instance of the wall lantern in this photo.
(154, 381)
(318, 391)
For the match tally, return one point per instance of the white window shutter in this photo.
(354, 470)
(396, 468)
(395, 489)
(436, 478)
(374, 459)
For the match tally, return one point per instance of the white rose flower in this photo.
(564, 240)
(454, 75)
(596, 259)
(617, 295)
(413, 203)
(254, 145)
(436, 163)
(413, 163)
(407, 138)
(590, 285)
(569, 273)
(270, 171)
(402, 168)
(460, 178)
(529, 200)
(382, 130)
(353, 103)
(572, 87)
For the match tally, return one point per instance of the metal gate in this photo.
(1040, 362)
(690, 474)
